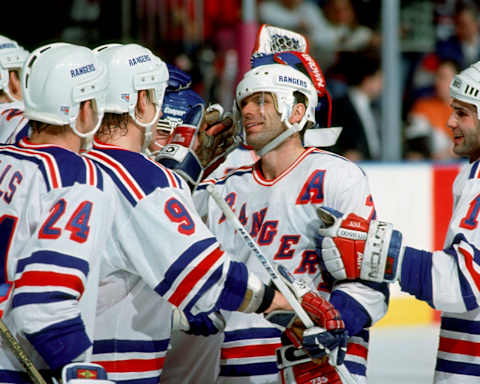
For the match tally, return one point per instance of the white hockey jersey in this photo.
(281, 217)
(13, 124)
(449, 280)
(53, 224)
(160, 244)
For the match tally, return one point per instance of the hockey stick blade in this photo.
(20, 354)
(344, 374)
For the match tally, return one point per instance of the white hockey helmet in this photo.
(12, 56)
(465, 86)
(132, 68)
(56, 78)
(282, 81)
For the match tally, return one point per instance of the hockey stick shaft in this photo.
(282, 287)
(344, 374)
(20, 354)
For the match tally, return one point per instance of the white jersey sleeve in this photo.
(448, 279)
(159, 236)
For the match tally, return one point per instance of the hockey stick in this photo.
(20, 354)
(344, 374)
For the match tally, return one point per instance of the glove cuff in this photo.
(383, 253)
(183, 161)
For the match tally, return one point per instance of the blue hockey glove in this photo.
(177, 79)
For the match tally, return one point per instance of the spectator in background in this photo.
(360, 138)
(427, 134)
(350, 36)
(464, 45)
(329, 31)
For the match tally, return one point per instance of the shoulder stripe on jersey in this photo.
(122, 175)
(47, 162)
(171, 177)
(474, 171)
(238, 172)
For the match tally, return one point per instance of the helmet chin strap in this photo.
(291, 129)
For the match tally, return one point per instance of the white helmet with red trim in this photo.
(465, 86)
(56, 78)
(12, 57)
(282, 81)
(132, 68)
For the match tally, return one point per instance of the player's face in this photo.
(464, 123)
(260, 119)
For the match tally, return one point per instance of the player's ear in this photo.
(142, 102)
(298, 111)
(14, 85)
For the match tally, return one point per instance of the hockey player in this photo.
(276, 199)
(53, 216)
(159, 243)
(447, 279)
(12, 57)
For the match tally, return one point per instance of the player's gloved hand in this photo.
(217, 137)
(84, 373)
(177, 79)
(327, 337)
(199, 145)
(297, 367)
(350, 247)
(206, 324)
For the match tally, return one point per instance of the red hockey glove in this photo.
(296, 367)
(328, 336)
(350, 247)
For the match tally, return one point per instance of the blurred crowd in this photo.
(438, 38)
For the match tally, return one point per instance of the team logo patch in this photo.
(125, 97)
(64, 109)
